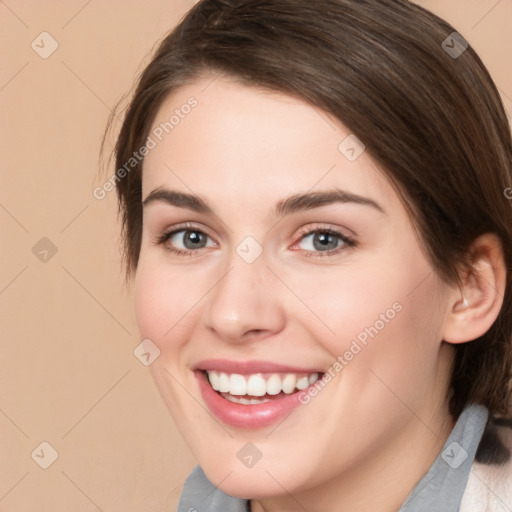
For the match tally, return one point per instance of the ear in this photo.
(483, 287)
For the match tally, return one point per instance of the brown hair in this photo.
(433, 122)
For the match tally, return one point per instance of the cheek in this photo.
(396, 334)
(166, 309)
(165, 302)
(388, 317)
(347, 303)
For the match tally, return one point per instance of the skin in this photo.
(371, 434)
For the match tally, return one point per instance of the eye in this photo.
(324, 242)
(321, 242)
(185, 240)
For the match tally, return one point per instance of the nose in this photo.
(245, 304)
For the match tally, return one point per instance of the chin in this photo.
(263, 480)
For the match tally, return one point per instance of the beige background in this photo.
(68, 375)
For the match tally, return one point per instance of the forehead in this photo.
(230, 142)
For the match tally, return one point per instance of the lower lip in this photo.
(246, 416)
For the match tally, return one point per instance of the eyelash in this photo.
(347, 241)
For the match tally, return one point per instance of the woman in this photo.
(314, 208)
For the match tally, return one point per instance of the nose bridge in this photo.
(245, 300)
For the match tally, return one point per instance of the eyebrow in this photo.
(292, 204)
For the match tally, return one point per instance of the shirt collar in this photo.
(442, 487)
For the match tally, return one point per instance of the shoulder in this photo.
(489, 486)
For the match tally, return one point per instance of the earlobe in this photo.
(477, 304)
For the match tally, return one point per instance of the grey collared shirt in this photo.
(440, 489)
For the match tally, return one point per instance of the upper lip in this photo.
(249, 367)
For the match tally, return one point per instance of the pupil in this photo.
(324, 239)
(194, 237)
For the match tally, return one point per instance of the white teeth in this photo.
(302, 383)
(223, 383)
(258, 384)
(214, 380)
(274, 385)
(244, 401)
(237, 384)
(289, 383)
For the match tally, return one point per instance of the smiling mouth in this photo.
(257, 388)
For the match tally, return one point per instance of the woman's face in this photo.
(301, 261)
